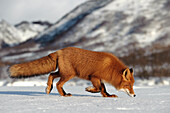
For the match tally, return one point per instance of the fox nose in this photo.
(134, 95)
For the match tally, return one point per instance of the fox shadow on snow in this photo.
(35, 93)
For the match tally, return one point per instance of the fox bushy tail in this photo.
(37, 67)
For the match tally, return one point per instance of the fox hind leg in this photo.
(60, 84)
(97, 85)
(51, 77)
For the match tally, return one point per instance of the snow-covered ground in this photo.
(28, 96)
(150, 99)
(37, 81)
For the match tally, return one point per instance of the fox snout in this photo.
(131, 94)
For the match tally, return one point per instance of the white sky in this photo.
(15, 11)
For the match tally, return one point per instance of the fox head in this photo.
(127, 82)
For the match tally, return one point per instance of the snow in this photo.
(135, 9)
(39, 81)
(153, 81)
(28, 95)
(70, 20)
(131, 6)
(13, 35)
(120, 23)
(8, 58)
(153, 99)
(28, 83)
(30, 30)
(6, 30)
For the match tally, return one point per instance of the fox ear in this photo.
(131, 70)
(125, 74)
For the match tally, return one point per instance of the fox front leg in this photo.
(104, 92)
(97, 85)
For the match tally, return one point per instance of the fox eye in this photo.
(130, 86)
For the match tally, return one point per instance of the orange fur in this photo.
(84, 63)
(71, 62)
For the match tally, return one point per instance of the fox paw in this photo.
(89, 88)
(48, 89)
(115, 96)
(92, 90)
(68, 95)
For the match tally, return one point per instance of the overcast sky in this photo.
(15, 11)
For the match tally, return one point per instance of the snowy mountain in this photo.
(98, 25)
(113, 26)
(135, 31)
(12, 35)
(9, 34)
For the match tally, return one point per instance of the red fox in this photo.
(75, 62)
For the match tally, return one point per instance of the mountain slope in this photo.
(121, 24)
(70, 20)
(110, 26)
(13, 35)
